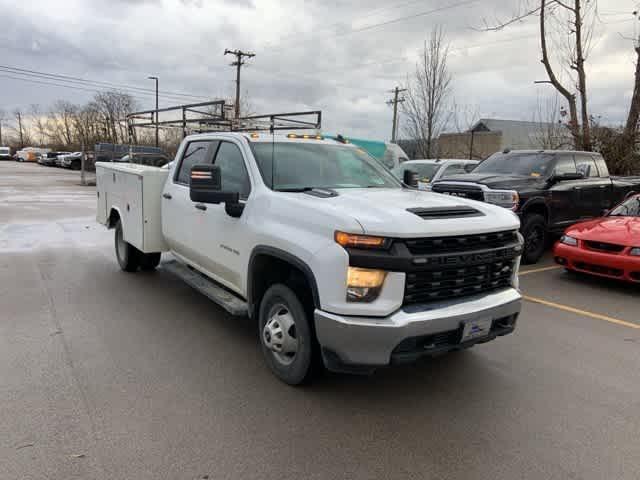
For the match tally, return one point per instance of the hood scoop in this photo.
(462, 211)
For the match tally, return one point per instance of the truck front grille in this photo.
(465, 191)
(459, 281)
(461, 243)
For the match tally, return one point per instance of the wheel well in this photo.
(114, 216)
(266, 270)
(538, 208)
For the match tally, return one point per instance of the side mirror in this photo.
(206, 186)
(566, 176)
(410, 178)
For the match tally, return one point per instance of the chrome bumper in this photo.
(370, 341)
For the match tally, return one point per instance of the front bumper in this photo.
(619, 266)
(360, 344)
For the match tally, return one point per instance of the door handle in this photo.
(199, 206)
(603, 186)
(577, 188)
(167, 196)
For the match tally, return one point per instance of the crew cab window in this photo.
(233, 170)
(198, 152)
(602, 167)
(565, 164)
(586, 165)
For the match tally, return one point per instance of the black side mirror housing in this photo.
(410, 178)
(566, 176)
(206, 187)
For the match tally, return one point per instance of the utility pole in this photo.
(156, 113)
(395, 101)
(239, 54)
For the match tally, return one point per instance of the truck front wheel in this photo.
(285, 335)
(128, 256)
(534, 231)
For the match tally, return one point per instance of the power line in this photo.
(59, 85)
(72, 79)
(390, 22)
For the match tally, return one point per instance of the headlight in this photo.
(507, 198)
(635, 252)
(350, 240)
(364, 284)
(567, 240)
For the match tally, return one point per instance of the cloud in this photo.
(306, 55)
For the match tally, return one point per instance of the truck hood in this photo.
(383, 211)
(618, 230)
(495, 181)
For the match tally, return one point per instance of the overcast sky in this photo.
(310, 54)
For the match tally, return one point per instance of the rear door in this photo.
(593, 190)
(564, 195)
(180, 219)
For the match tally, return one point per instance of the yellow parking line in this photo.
(537, 270)
(577, 311)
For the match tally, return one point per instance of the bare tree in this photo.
(568, 26)
(60, 124)
(551, 133)
(21, 128)
(425, 108)
(3, 118)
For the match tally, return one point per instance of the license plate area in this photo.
(476, 328)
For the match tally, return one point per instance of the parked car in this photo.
(549, 190)
(5, 153)
(30, 154)
(49, 159)
(333, 256)
(70, 160)
(430, 171)
(608, 246)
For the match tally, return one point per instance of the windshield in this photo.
(526, 164)
(628, 208)
(300, 166)
(425, 171)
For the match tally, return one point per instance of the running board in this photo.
(227, 300)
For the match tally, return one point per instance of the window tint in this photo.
(586, 165)
(565, 164)
(197, 152)
(526, 164)
(602, 166)
(307, 165)
(233, 170)
(454, 169)
(628, 208)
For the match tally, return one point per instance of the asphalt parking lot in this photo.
(107, 375)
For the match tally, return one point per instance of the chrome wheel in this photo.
(279, 334)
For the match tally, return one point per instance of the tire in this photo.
(128, 256)
(149, 261)
(534, 231)
(75, 166)
(280, 306)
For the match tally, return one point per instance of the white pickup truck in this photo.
(338, 261)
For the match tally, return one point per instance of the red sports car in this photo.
(607, 246)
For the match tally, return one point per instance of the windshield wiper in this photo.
(295, 189)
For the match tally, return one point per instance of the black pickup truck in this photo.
(549, 190)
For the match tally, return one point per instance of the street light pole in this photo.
(156, 113)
